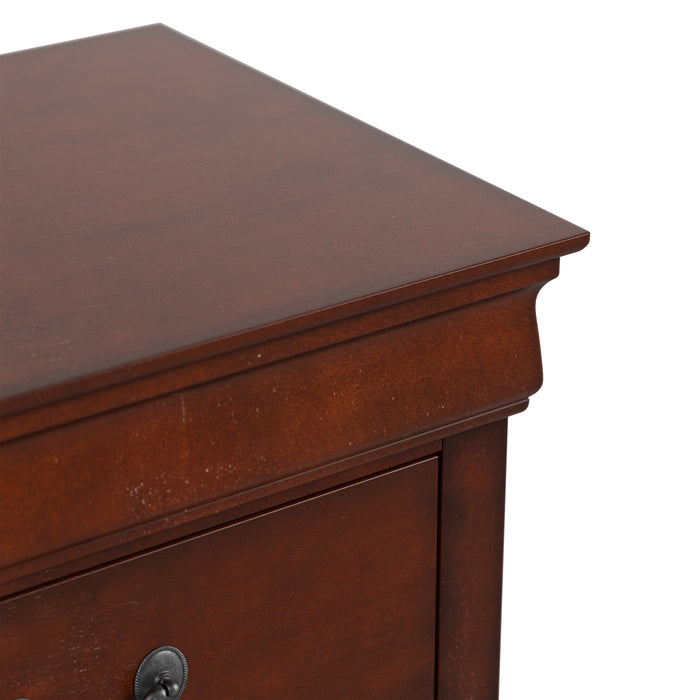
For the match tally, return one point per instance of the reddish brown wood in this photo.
(353, 573)
(131, 466)
(158, 195)
(172, 377)
(472, 500)
(220, 296)
(103, 550)
(36, 571)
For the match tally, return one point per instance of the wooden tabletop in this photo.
(157, 195)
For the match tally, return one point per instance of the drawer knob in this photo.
(162, 674)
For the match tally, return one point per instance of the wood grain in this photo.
(125, 468)
(352, 575)
(229, 313)
(472, 502)
(188, 367)
(158, 195)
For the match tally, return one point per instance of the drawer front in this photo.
(106, 475)
(333, 596)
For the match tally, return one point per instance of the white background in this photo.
(589, 109)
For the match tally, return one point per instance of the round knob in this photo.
(165, 688)
(162, 674)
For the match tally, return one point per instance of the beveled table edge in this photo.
(29, 412)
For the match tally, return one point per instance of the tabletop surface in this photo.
(158, 195)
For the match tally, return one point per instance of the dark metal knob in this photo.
(165, 688)
(162, 674)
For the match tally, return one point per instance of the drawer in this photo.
(217, 440)
(332, 596)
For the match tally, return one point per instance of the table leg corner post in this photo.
(470, 569)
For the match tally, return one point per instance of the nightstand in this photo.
(257, 363)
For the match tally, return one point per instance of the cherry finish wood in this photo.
(158, 195)
(219, 297)
(171, 379)
(95, 552)
(472, 506)
(172, 454)
(356, 613)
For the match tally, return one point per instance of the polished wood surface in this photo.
(352, 573)
(172, 454)
(472, 505)
(133, 390)
(231, 317)
(158, 195)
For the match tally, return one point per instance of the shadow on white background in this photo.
(589, 110)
